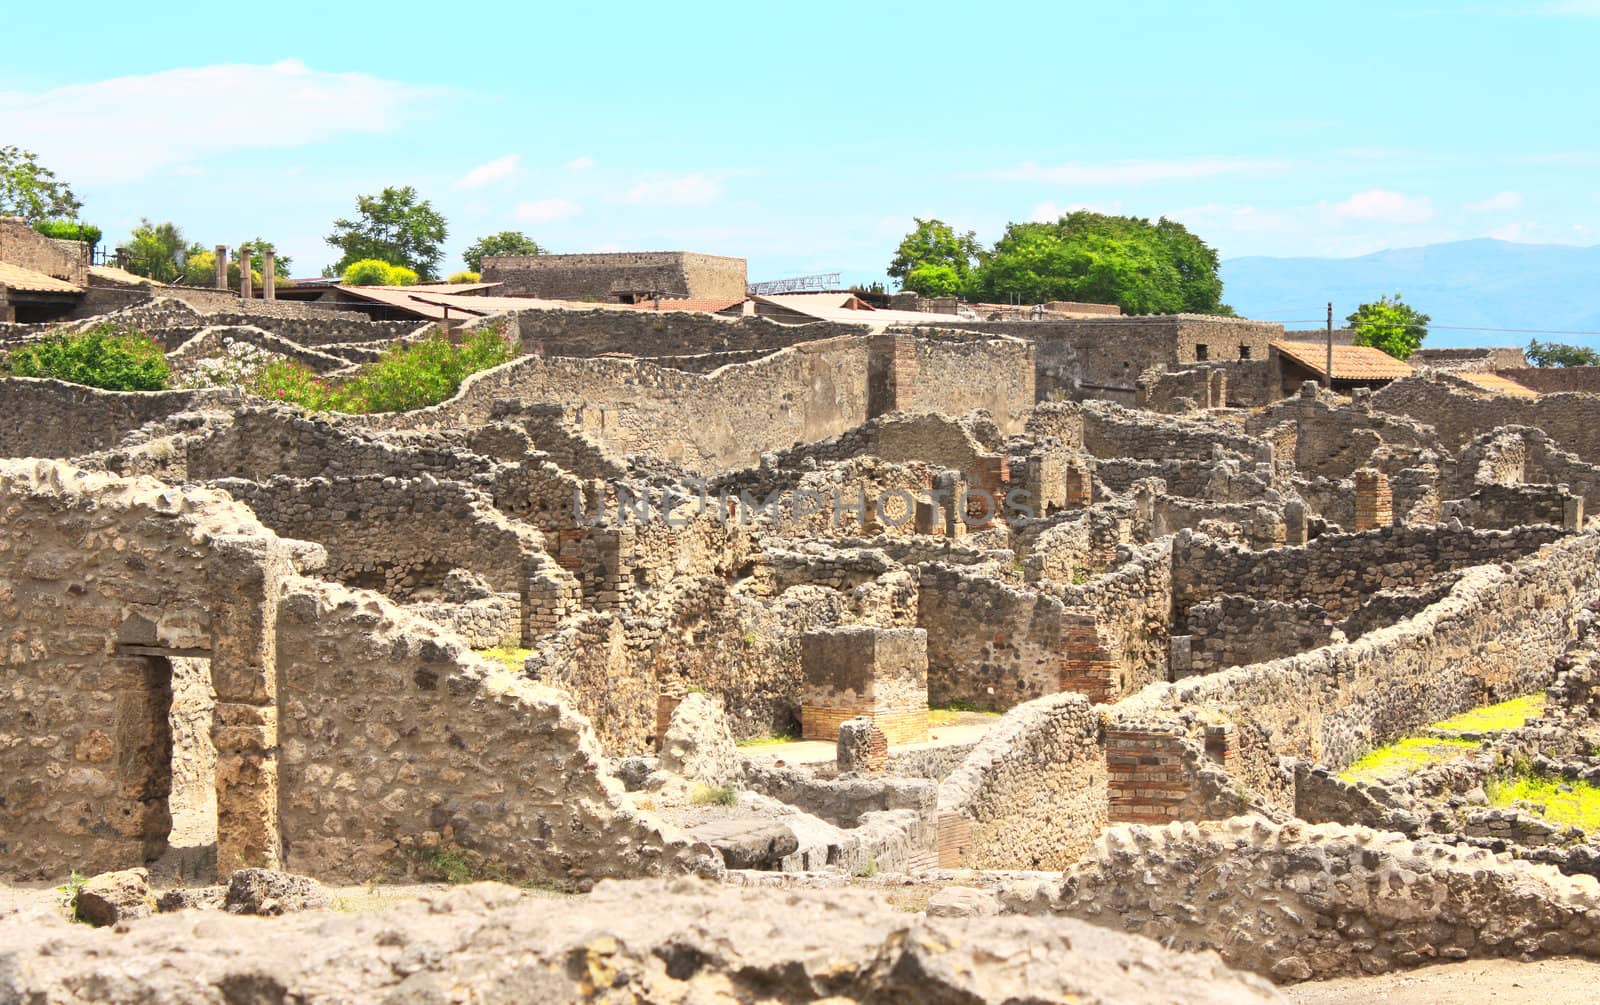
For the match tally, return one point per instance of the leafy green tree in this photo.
(368, 272)
(1390, 324)
(1143, 267)
(934, 279)
(934, 243)
(100, 357)
(1561, 354)
(393, 226)
(507, 242)
(32, 191)
(153, 250)
(69, 230)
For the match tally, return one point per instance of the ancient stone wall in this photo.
(1555, 379)
(600, 331)
(1110, 431)
(1233, 631)
(1032, 795)
(399, 536)
(1332, 437)
(51, 418)
(26, 248)
(1495, 635)
(397, 744)
(615, 276)
(1338, 571)
(1089, 358)
(262, 442)
(956, 373)
(1508, 506)
(1460, 412)
(1317, 901)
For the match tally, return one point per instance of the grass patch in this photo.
(954, 712)
(768, 741)
(510, 657)
(714, 795)
(1506, 715)
(1579, 806)
(67, 894)
(1404, 757)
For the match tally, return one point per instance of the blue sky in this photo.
(805, 137)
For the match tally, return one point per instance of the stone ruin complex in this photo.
(1043, 640)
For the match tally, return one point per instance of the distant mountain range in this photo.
(1481, 283)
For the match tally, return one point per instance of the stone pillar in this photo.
(245, 292)
(1093, 663)
(222, 266)
(1080, 486)
(1572, 514)
(862, 746)
(244, 575)
(1295, 520)
(269, 273)
(1374, 500)
(860, 671)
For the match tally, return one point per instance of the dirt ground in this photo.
(1564, 981)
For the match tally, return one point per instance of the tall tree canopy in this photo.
(934, 260)
(153, 250)
(32, 191)
(1390, 324)
(395, 227)
(1143, 267)
(507, 242)
(1561, 354)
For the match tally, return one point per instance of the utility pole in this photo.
(1327, 375)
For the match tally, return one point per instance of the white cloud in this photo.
(546, 210)
(1138, 172)
(498, 169)
(131, 126)
(1522, 231)
(1237, 219)
(688, 190)
(1498, 203)
(1389, 207)
(580, 164)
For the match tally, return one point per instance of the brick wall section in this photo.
(855, 671)
(1374, 500)
(1145, 778)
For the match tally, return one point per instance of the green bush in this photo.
(406, 377)
(464, 277)
(100, 357)
(399, 275)
(69, 230)
(368, 272)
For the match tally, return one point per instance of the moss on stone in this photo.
(1506, 715)
(1574, 803)
(1404, 757)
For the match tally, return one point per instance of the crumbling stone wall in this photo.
(398, 742)
(1032, 795)
(1554, 379)
(1333, 437)
(649, 334)
(1460, 412)
(1338, 571)
(1232, 631)
(22, 246)
(398, 535)
(263, 442)
(958, 372)
(1111, 431)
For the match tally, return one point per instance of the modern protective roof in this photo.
(1350, 362)
(1497, 384)
(28, 281)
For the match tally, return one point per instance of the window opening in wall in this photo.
(1244, 352)
(1202, 351)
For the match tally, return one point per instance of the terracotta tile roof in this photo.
(29, 281)
(1497, 384)
(1350, 362)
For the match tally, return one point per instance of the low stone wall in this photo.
(1114, 432)
(1233, 631)
(580, 333)
(52, 418)
(1032, 795)
(1297, 902)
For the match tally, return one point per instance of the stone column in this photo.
(1374, 500)
(244, 574)
(222, 266)
(245, 292)
(1295, 520)
(269, 274)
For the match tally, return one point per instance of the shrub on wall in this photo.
(69, 230)
(406, 377)
(100, 357)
